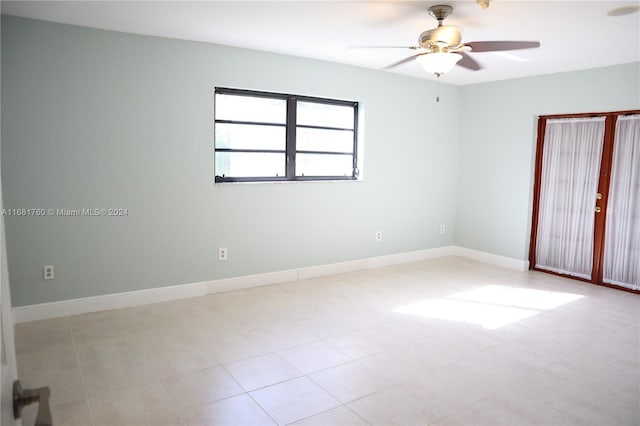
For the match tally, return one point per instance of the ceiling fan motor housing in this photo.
(443, 37)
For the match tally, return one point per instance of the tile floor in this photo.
(447, 341)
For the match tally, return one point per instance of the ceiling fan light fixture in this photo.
(438, 63)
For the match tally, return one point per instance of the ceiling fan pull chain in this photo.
(438, 88)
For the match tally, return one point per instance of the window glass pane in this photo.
(250, 164)
(316, 114)
(324, 165)
(248, 108)
(324, 140)
(247, 136)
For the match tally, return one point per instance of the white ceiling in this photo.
(573, 34)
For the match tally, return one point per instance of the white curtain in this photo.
(622, 235)
(570, 170)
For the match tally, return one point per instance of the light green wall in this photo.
(497, 147)
(96, 119)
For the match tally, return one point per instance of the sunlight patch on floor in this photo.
(491, 306)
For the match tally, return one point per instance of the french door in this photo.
(586, 210)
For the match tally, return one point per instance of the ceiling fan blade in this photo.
(495, 46)
(385, 47)
(403, 61)
(624, 10)
(468, 62)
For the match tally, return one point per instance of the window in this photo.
(277, 137)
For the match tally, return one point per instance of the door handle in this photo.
(23, 397)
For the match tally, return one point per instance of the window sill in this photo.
(285, 182)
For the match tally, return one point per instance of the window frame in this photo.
(290, 126)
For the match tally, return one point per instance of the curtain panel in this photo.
(622, 235)
(570, 173)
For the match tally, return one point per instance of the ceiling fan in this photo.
(440, 48)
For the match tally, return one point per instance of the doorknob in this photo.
(23, 397)
(598, 209)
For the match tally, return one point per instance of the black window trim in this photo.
(290, 143)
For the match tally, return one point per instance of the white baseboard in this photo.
(249, 281)
(412, 256)
(162, 294)
(493, 259)
(106, 302)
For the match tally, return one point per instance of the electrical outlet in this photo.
(222, 253)
(442, 229)
(378, 235)
(47, 272)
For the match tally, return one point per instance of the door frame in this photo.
(603, 188)
(9, 370)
